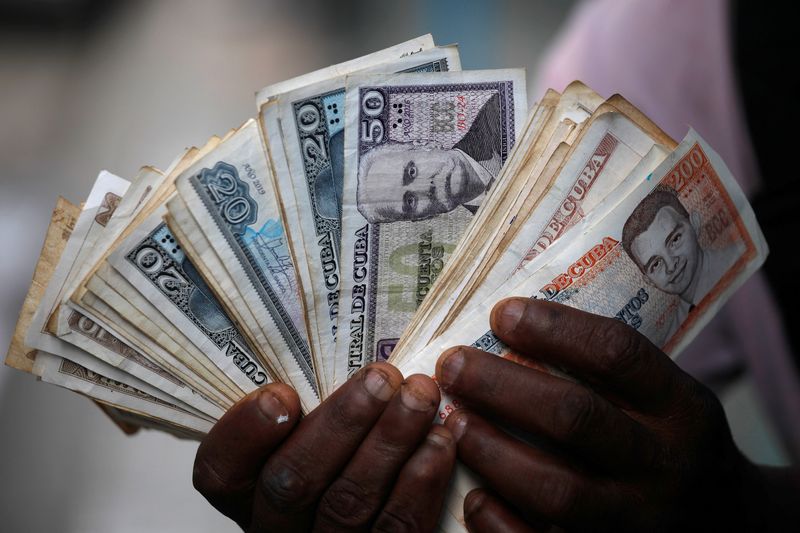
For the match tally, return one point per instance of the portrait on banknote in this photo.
(405, 180)
(668, 254)
(663, 239)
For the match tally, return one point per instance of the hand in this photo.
(359, 461)
(635, 445)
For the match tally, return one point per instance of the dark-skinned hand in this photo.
(635, 444)
(366, 459)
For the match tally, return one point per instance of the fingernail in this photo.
(439, 436)
(473, 501)
(272, 407)
(414, 399)
(452, 363)
(508, 315)
(459, 426)
(376, 384)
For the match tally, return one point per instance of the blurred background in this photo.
(90, 85)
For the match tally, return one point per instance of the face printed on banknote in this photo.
(413, 181)
(662, 239)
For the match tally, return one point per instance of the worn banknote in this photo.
(601, 160)
(230, 194)
(421, 153)
(63, 328)
(312, 123)
(662, 258)
(71, 375)
(153, 263)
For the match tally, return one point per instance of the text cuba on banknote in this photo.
(318, 124)
(664, 260)
(424, 158)
(159, 258)
(261, 251)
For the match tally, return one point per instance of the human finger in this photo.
(563, 411)
(230, 458)
(416, 500)
(535, 482)
(296, 475)
(603, 352)
(485, 513)
(355, 497)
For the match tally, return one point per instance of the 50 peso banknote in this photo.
(421, 154)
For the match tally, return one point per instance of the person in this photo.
(643, 445)
(407, 181)
(636, 444)
(661, 238)
(714, 54)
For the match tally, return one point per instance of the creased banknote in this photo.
(86, 340)
(421, 153)
(662, 259)
(230, 195)
(152, 261)
(312, 121)
(606, 153)
(62, 221)
(71, 375)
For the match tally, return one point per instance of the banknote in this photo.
(103, 198)
(152, 261)
(608, 150)
(139, 326)
(312, 133)
(93, 337)
(421, 153)
(108, 194)
(230, 194)
(407, 48)
(122, 327)
(662, 258)
(551, 128)
(62, 221)
(71, 375)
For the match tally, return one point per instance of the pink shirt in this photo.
(672, 59)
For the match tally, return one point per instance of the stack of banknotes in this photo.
(376, 210)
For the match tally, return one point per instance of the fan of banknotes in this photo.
(376, 210)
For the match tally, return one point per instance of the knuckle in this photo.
(616, 346)
(351, 410)
(207, 479)
(423, 472)
(558, 498)
(284, 486)
(346, 504)
(395, 520)
(573, 414)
